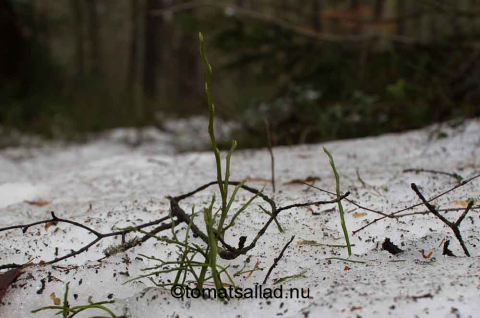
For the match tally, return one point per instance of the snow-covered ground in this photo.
(107, 183)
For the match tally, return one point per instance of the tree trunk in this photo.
(153, 27)
(188, 80)
(132, 63)
(76, 6)
(401, 13)
(317, 14)
(40, 16)
(11, 60)
(136, 109)
(94, 38)
(379, 6)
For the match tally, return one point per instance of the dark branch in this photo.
(228, 251)
(453, 175)
(275, 262)
(418, 204)
(451, 225)
(349, 201)
(99, 236)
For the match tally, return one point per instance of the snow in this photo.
(106, 183)
(11, 193)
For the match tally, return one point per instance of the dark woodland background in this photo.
(316, 69)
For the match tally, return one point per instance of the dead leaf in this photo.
(426, 256)
(48, 224)
(7, 279)
(309, 179)
(356, 308)
(213, 284)
(304, 156)
(254, 268)
(346, 268)
(39, 202)
(258, 180)
(57, 301)
(55, 279)
(359, 214)
(306, 242)
(462, 203)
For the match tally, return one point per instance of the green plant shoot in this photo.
(69, 312)
(340, 206)
(222, 184)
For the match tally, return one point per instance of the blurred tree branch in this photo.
(304, 31)
(433, 8)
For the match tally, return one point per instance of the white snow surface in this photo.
(106, 184)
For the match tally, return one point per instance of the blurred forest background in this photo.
(315, 69)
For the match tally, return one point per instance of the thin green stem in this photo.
(211, 132)
(340, 206)
(345, 260)
(212, 243)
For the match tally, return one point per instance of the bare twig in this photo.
(10, 266)
(345, 260)
(415, 298)
(228, 251)
(300, 205)
(99, 236)
(446, 250)
(418, 204)
(349, 201)
(453, 175)
(477, 207)
(275, 262)
(454, 226)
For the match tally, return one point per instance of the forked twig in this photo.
(396, 216)
(454, 226)
(418, 204)
(349, 201)
(99, 236)
(228, 251)
(453, 175)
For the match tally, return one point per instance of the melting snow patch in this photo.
(111, 186)
(11, 193)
